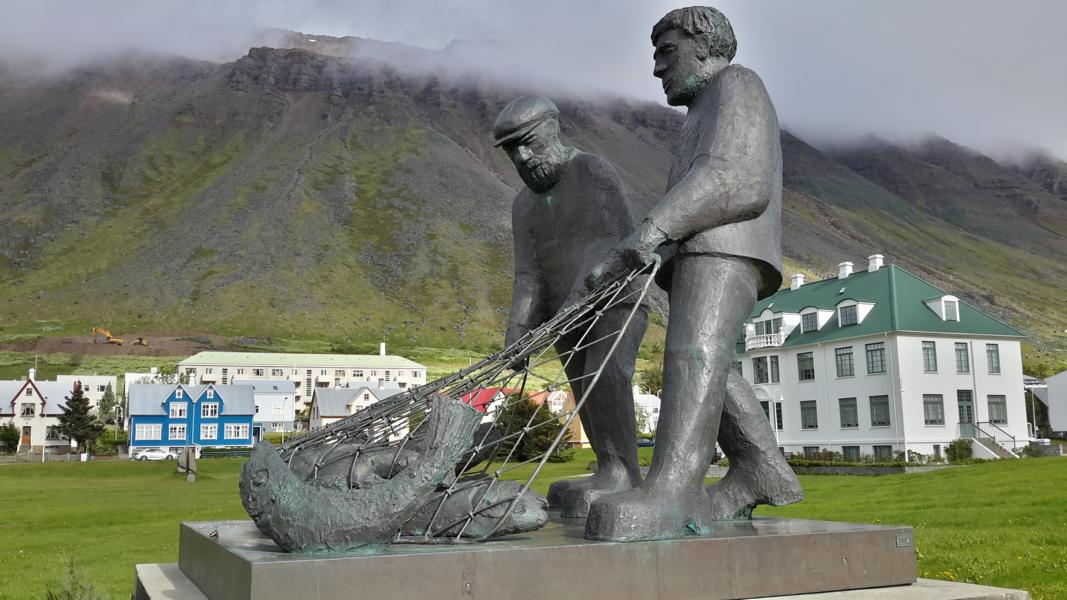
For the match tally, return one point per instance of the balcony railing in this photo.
(766, 340)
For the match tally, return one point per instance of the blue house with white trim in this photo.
(176, 415)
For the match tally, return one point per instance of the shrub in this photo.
(73, 587)
(9, 437)
(959, 451)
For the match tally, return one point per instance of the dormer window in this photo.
(210, 394)
(946, 307)
(177, 393)
(769, 326)
(952, 310)
(809, 322)
(846, 315)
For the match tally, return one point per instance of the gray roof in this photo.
(1041, 394)
(268, 386)
(54, 394)
(334, 402)
(148, 398)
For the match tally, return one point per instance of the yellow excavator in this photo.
(108, 338)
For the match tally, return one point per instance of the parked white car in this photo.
(154, 454)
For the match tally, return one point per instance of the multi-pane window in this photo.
(933, 409)
(338, 372)
(769, 326)
(998, 410)
(929, 357)
(209, 432)
(883, 453)
(28, 409)
(875, 358)
(209, 410)
(880, 411)
(847, 315)
(234, 431)
(210, 394)
(963, 363)
(240, 371)
(809, 322)
(849, 414)
(806, 366)
(843, 357)
(51, 433)
(277, 373)
(778, 416)
(952, 310)
(759, 370)
(992, 358)
(810, 451)
(179, 393)
(151, 431)
(850, 453)
(176, 432)
(775, 375)
(178, 410)
(258, 372)
(414, 374)
(809, 415)
(357, 373)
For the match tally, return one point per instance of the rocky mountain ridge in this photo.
(297, 192)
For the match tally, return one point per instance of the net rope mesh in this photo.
(506, 378)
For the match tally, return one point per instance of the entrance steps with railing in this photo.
(988, 448)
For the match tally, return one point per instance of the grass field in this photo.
(1002, 524)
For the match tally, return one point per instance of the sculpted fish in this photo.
(325, 515)
(529, 513)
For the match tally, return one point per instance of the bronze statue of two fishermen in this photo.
(367, 481)
(717, 233)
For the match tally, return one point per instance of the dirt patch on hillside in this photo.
(160, 346)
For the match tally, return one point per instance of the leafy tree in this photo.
(652, 378)
(9, 437)
(77, 421)
(106, 408)
(545, 426)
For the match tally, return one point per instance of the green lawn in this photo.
(1001, 524)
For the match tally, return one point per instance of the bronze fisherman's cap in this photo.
(520, 116)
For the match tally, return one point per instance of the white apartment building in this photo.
(307, 371)
(881, 362)
(93, 386)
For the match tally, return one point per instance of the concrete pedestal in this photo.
(231, 560)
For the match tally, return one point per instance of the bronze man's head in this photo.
(692, 45)
(528, 130)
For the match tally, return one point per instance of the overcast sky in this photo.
(991, 75)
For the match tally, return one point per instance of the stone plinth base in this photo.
(231, 560)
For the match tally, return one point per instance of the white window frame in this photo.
(177, 431)
(206, 412)
(148, 431)
(209, 431)
(176, 407)
(179, 394)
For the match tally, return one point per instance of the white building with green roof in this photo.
(880, 362)
(306, 371)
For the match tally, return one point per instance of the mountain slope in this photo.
(299, 193)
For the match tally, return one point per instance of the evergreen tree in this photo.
(536, 441)
(77, 421)
(106, 409)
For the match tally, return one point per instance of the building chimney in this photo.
(875, 262)
(381, 349)
(844, 270)
(796, 281)
(33, 374)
